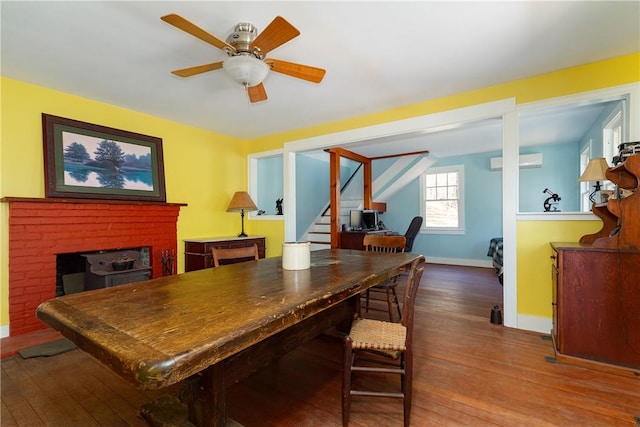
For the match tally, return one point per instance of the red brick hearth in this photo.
(40, 229)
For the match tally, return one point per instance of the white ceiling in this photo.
(378, 55)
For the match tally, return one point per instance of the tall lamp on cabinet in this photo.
(241, 202)
(595, 171)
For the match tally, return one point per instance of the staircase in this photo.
(402, 172)
(319, 233)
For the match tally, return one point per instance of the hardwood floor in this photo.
(468, 372)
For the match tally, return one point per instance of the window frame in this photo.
(460, 229)
(613, 125)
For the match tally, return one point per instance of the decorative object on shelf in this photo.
(89, 161)
(623, 193)
(625, 150)
(240, 202)
(595, 171)
(605, 195)
(279, 206)
(548, 204)
(168, 260)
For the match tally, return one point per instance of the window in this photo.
(443, 199)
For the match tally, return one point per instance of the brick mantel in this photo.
(86, 201)
(40, 229)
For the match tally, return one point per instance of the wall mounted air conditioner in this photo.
(526, 161)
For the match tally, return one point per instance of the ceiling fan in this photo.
(246, 50)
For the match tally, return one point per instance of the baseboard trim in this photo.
(459, 261)
(4, 331)
(535, 323)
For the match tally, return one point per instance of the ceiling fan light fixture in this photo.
(247, 70)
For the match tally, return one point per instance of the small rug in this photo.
(48, 349)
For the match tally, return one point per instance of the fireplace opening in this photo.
(88, 270)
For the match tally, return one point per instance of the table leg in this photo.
(201, 402)
(213, 402)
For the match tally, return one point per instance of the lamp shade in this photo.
(247, 70)
(595, 171)
(241, 201)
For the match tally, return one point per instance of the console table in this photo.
(197, 252)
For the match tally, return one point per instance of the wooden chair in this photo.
(386, 291)
(234, 254)
(389, 349)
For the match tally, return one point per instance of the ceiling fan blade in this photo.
(186, 26)
(257, 93)
(192, 71)
(277, 33)
(304, 72)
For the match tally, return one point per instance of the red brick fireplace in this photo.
(40, 229)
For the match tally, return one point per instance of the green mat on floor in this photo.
(48, 349)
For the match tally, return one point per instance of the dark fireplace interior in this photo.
(80, 271)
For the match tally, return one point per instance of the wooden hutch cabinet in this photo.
(596, 283)
(197, 252)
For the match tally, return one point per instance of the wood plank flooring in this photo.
(468, 372)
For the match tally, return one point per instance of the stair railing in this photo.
(346, 184)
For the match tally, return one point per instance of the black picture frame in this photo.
(89, 161)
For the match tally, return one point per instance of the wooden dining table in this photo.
(211, 328)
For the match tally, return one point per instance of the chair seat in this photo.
(369, 334)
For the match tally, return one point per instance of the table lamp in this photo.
(240, 202)
(595, 171)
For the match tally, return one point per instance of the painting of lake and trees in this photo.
(104, 163)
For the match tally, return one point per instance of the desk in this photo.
(353, 239)
(217, 326)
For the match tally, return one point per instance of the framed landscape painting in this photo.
(84, 160)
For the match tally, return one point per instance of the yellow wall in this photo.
(194, 172)
(196, 176)
(534, 264)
